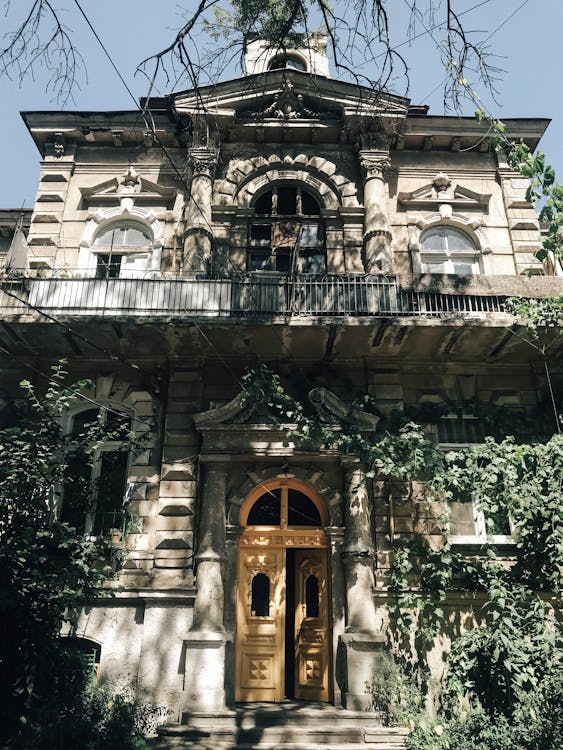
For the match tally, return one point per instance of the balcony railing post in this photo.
(270, 295)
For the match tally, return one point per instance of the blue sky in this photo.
(528, 47)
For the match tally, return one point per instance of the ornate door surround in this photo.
(283, 595)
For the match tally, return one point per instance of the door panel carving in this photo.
(312, 647)
(260, 645)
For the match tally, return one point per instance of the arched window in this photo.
(287, 60)
(122, 250)
(266, 511)
(86, 660)
(286, 232)
(444, 249)
(288, 506)
(260, 596)
(94, 492)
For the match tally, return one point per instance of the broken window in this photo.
(286, 233)
(95, 491)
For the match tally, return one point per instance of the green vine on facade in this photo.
(502, 681)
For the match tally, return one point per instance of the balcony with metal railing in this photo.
(252, 296)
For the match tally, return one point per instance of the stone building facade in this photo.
(355, 244)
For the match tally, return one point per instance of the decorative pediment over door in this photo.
(245, 425)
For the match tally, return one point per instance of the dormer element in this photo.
(261, 57)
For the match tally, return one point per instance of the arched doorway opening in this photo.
(283, 595)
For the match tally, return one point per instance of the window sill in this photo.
(496, 540)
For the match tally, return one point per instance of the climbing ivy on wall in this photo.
(502, 684)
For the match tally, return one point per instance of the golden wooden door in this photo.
(283, 523)
(260, 625)
(312, 647)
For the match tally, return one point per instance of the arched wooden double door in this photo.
(283, 613)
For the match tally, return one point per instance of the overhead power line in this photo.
(151, 127)
(88, 399)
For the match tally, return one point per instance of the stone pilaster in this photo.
(204, 687)
(361, 641)
(197, 232)
(377, 237)
(46, 228)
(522, 218)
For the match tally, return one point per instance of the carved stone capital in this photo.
(202, 161)
(383, 233)
(375, 163)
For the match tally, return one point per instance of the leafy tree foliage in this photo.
(47, 568)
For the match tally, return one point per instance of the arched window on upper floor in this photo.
(122, 250)
(287, 60)
(447, 250)
(286, 232)
(94, 495)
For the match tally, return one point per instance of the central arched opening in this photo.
(286, 233)
(283, 612)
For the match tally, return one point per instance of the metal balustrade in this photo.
(252, 296)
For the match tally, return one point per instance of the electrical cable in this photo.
(498, 28)
(152, 128)
(145, 422)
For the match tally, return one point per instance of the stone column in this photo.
(338, 590)
(377, 237)
(208, 609)
(204, 685)
(197, 232)
(361, 641)
(358, 552)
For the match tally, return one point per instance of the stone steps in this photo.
(287, 726)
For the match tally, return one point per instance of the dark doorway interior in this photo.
(290, 623)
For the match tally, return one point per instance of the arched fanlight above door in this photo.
(285, 503)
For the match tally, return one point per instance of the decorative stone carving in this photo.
(288, 105)
(331, 409)
(441, 182)
(375, 163)
(129, 182)
(441, 190)
(374, 138)
(202, 161)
